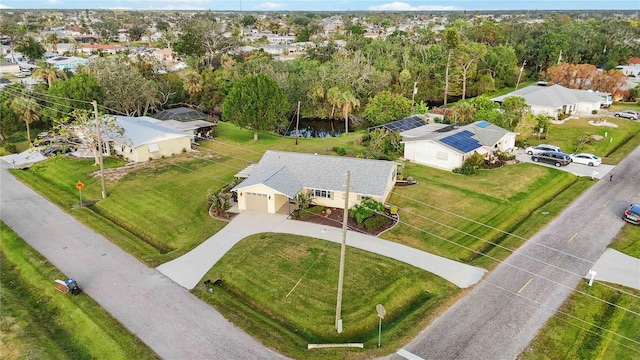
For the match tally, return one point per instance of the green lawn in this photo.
(517, 198)
(282, 289)
(617, 142)
(38, 322)
(627, 240)
(589, 329)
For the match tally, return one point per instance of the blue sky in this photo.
(321, 5)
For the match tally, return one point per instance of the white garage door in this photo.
(256, 201)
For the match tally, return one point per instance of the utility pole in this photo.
(95, 112)
(342, 250)
(520, 75)
(297, 122)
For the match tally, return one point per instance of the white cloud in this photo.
(5, 7)
(402, 6)
(54, 2)
(270, 6)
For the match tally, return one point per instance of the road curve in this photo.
(165, 316)
(503, 314)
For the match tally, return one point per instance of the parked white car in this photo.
(535, 150)
(586, 159)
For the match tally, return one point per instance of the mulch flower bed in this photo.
(335, 219)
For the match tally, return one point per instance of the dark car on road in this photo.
(552, 157)
(632, 214)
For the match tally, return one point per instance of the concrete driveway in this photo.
(189, 269)
(577, 169)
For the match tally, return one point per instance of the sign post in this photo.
(79, 186)
(381, 312)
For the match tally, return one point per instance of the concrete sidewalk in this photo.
(617, 268)
(189, 269)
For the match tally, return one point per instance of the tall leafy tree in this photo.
(257, 103)
(452, 41)
(125, 89)
(31, 48)
(82, 87)
(386, 107)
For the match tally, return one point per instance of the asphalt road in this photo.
(160, 312)
(504, 312)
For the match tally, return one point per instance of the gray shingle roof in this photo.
(289, 172)
(552, 96)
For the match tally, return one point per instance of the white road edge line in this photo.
(407, 355)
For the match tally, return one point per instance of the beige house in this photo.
(272, 184)
(144, 139)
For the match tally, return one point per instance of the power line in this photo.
(570, 316)
(504, 289)
(513, 266)
(510, 250)
(493, 228)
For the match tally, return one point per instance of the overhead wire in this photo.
(529, 272)
(439, 209)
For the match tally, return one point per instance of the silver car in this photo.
(534, 150)
(628, 114)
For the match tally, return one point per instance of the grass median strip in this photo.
(38, 322)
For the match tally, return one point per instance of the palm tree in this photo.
(27, 110)
(348, 103)
(47, 72)
(53, 40)
(193, 83)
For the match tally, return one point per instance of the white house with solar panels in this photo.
(447, 146)
(272, 184)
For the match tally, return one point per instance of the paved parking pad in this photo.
(601, 171)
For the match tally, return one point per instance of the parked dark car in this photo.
(551, 157)
(632, 214)
(57, 149)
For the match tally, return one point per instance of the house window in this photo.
(154, 148)
(442, 155)
(321, 193)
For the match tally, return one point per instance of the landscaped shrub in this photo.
(466, 170)
(11, 148)
(375, 222)
(339, 150)
(365, 210)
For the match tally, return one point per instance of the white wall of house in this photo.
(507, 142)
(431, 153)
(157, 150)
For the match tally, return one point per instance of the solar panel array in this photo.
(405, 124)
(462, 141)
(483, 124)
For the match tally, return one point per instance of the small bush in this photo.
(375, 222)
(339, 150)
(393, 210)
(466, 170)
(593, 112)
(11, 148)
